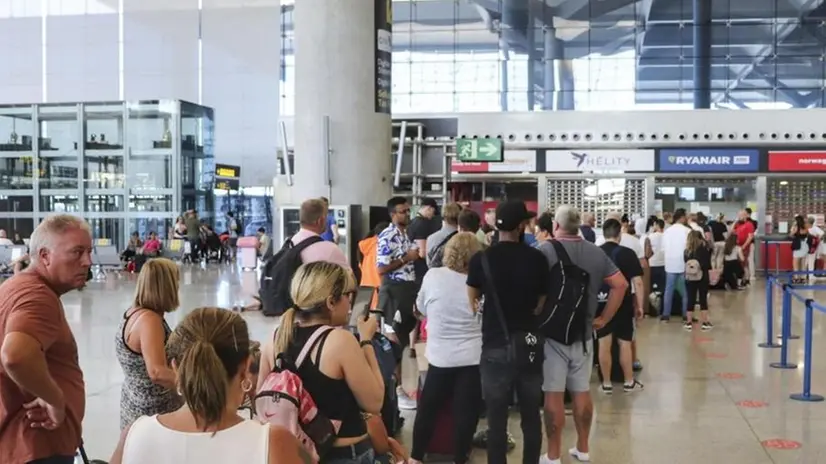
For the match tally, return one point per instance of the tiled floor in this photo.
(687, 413)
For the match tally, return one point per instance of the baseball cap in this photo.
(509, 214)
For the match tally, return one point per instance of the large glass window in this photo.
(456, 56)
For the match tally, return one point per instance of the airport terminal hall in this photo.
(412, 231)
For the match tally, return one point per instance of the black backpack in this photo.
(566, 308)
(278, 273)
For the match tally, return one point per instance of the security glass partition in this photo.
(124, 166)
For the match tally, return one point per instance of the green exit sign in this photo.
(479, 150)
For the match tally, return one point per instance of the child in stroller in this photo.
(214, 248)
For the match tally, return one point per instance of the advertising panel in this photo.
(383, 54)
(709, 160)
(512, 161)
(797, 161)
(599, 161)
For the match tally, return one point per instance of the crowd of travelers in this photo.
(517, 310)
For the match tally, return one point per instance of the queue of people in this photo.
(503, 334)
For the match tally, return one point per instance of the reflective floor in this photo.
(709, 397)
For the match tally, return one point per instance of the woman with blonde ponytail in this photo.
(341, 373)
(210, 352)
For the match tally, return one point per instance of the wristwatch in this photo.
(364, 343)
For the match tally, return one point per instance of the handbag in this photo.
(525, 349)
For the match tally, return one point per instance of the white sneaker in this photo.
(579, 455)
(546, 460)
(406, 403)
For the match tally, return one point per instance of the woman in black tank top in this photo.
(340, 373)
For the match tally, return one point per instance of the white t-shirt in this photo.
(454, 333)
(6, 242)
(657, 259)
(629, 241)
(639, 226)
(674, 241)
(149, 441)
(695, 226)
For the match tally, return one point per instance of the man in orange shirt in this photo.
(42, 393)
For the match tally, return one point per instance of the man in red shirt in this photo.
(42, 394)
(744, 229)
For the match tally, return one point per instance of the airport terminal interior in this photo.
(204, 125)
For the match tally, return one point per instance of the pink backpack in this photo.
(282, 401)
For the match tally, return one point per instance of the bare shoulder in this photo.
(286, 449)
(342, 337)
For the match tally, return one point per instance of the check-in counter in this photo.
(775, 253)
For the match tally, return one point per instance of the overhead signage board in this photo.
(227, 171)
(479, 150)
(227, 184)
(383, 55)
(797, 161)
(709, 160)
(599, 161)
(513, 161)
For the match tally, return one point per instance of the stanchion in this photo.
(807, 395)
(786, 330)
(769, 343)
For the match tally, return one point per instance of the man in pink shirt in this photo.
(313, 219)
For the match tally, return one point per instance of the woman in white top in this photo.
(656, 255)
(454, 347)
(210, 352)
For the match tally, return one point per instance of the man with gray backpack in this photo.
(436, 241)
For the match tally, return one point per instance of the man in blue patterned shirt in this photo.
(397, 293)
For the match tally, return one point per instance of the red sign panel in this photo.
(797, 161)
(460, 167)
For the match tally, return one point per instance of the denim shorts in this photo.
(368, 457)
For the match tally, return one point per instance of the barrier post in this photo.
(769, 343)
(785, 330)
(807, 395)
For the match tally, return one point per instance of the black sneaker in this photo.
(607, 389)
(707, 326)
(688, 326)
(632, 387)
(664, 318)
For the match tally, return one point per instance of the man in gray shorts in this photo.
(569, 366)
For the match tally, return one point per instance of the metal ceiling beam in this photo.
(767, 50)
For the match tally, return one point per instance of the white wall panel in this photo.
(22, 51)
(82, 57)
(160, 50)
(241, 69)
(649, 128)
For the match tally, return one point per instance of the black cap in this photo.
(509, 214)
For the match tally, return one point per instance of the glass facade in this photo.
(458, 56)
(112, 163)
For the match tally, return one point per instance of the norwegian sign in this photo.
(512, 161)
(479, 150)
(599, 161)
(383, 54)
(797, 161)
(709, 160)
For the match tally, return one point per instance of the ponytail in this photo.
(284, 332)
(203, 383)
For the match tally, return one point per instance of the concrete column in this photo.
(702, 53)
(335, 77)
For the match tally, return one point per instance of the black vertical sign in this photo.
(383, 54)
